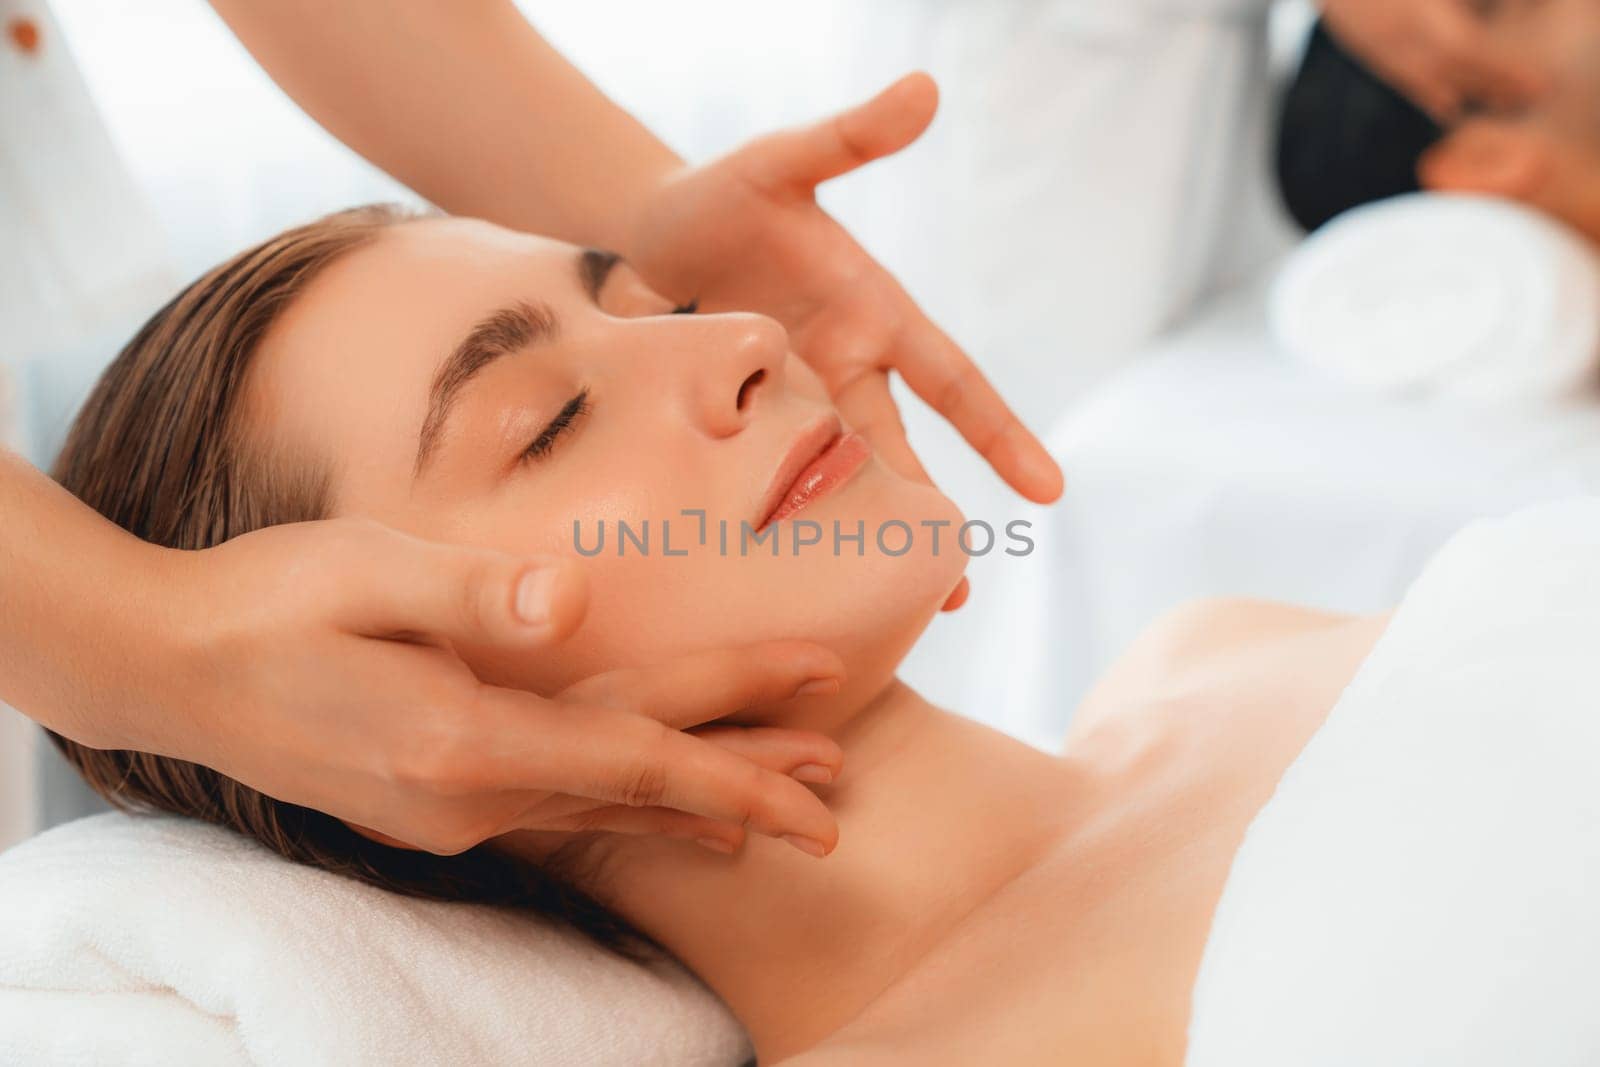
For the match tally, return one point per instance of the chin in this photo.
(880, 605)
(870, 610)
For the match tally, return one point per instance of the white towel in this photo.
(164, 941)
(1424, 886)
(1459, 297)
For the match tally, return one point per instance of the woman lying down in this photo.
(985, 902)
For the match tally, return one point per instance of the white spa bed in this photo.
(1215, 466)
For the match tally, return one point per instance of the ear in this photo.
(1483, 155)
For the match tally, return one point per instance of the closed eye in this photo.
(574, 410)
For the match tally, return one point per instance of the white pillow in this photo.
(1461, 297)
(157, 940)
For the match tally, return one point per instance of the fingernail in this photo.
(716, 844)
(806, 845)
(818, 687)
(812, 772)
(533, 596)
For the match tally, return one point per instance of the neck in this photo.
(798, 946)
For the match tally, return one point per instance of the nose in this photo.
(741, 365)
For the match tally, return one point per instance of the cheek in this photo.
(675, 596)
(648, 590)
(869, 602)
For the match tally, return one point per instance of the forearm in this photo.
(465, 103)
(67, 576)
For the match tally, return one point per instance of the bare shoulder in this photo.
(1181, 656)
(1201, 631)
(1217, 624)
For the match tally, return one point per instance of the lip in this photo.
(821, 459)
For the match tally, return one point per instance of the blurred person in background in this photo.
(1104, 177)
(1112, 160)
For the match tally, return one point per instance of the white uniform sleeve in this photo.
(1107, 163)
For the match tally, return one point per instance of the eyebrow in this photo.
(501, 333)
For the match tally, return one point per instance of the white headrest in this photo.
(161, 940)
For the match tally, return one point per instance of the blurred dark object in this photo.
(1345, 138)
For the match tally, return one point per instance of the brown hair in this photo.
(159, 450)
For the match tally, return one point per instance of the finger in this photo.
(712, 685)
(622, 758)
(868, 406)
(949, 382)
(392, 584)
(665, 822)
(805, 757)
(958, 596)
(806, 156)
(802, 755)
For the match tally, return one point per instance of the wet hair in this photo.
(159, 449)
(1345, 137)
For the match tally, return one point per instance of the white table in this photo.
(1214, 467)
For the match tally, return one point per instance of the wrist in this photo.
(634, 217)
(135, 650)
(660, 231)
(166, 646)
(81, 632)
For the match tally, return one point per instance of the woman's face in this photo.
(478, 386)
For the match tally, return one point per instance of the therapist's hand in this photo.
(314, 663)
(1439, 53)
(745, 231)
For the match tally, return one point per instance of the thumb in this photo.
(460, 594)
(807, 156)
